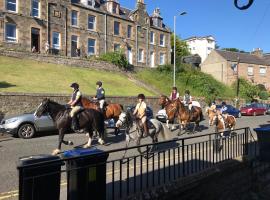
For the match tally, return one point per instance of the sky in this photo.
(232, 28)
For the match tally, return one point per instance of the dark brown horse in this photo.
(177, 109)
(112, 111)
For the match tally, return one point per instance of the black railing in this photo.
(164, 162)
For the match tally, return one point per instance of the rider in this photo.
(213, 106)
(76, 105)
(188, 100)
(100, 95)
(174, 94)
(140, 113)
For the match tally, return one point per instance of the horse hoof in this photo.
(100, 141)
(55, 152)
(86, 146)
(70, 143)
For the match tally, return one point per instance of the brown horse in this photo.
(223, 123)
(177, 109)
(112, 110)
(211, 114)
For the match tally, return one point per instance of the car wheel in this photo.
(239, 115)
(254, 114)
(26, 131)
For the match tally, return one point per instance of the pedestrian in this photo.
(78, 52)
(47, 47)
(34, 49)
(174, 94)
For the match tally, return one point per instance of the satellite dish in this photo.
(244, 7)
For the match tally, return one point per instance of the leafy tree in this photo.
(234, 50)
(246, 89)
(181, 49)
(117, 58)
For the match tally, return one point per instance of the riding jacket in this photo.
(100, 93)
(187, 99)
(174, 96)
(77, 95)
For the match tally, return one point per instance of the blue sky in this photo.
(231, 27)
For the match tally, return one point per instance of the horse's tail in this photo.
(164, 132)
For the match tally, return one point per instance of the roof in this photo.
(267, 58)
(208, 37)
(243, 57)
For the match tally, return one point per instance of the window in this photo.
(74, 18)
(116, 28)
(262, 71)
(116, 47)
(91, 3)
(114, 8)
(152, 37)
(35, 8)
(140, 56)
(162, 40)
(11, 5)
(209, 48)
(250, 71)
(91, 46)
(91, 22)
(11, 33)
(162, 59)
(129, 30)
(56, 40)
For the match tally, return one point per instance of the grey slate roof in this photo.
(244, 57)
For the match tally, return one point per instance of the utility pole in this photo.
(237, 86)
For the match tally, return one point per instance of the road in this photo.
(11, 149)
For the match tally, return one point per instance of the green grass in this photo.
(17, 75)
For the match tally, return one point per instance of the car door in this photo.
(44, 123)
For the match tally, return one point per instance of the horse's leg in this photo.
(60, 140)
(167, 124)
(127, 143)
(90, 135)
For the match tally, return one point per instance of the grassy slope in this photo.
(193, 81)
(17, 75)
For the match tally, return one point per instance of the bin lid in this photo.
(263, 129)
(81, 152)
(27, 160)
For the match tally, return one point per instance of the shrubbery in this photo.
(117, 58)
(246, 89)
(263, 95)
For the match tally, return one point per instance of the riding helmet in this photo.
(99, 83)
(141, 96)
(223, 103)
(75, 85)
(174, 88)
(187, 92)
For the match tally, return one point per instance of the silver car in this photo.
(26, 125)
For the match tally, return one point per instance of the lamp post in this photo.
(174, 43)
(237, 86)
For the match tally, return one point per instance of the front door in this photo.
(130, 57)
(35, 40)
(152, 59)
(74, 45)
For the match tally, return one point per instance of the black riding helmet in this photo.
(74, 85)
(187, 92)
(141, 96)
(99, 83)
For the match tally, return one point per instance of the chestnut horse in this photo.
(223, 123)
(177, 109)
(112, 110)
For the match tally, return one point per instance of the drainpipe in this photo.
(137, 45)
(66, 34)
(48, 24)
(105, 35)
(147, 46)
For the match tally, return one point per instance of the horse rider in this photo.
(76, 105)
(213, 106)
(174, 94)
(188, 100)
(100, 95)
(140, 113)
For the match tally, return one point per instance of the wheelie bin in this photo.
(263, 135)
(39, 177)
(86, 174)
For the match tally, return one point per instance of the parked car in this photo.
(26, 125)
(267, 106)
(231, 110)
(254, 109)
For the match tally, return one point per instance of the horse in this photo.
(177, 109)
(112, 110)
(134, 131)
(89, 120)
(211, 114)
(223, 123)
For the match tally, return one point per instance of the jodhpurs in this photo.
(101, 103)
(75, 110)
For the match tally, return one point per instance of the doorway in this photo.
(35, 40)
(74, 46)
(130, 56)
(152, 59)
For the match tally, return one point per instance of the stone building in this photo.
(222, 65)
(92, 26)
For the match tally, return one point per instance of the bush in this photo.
(263, 95)
(246, 89)
(117, 58)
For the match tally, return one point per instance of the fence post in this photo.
(183, 156)
(246, 142)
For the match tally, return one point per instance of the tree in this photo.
(181, 49)
(246, 89)
(234, 50)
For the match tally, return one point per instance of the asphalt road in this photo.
(11, 149)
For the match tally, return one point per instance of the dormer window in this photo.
(91, 3)
(114, 8)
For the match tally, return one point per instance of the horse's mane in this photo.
(60, 106)
(130, 118)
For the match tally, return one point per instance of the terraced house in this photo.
(93, 27)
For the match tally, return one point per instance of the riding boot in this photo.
(74, 124)
(145, 129)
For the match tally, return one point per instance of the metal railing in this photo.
(164, 162)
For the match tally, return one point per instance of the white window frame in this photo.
(56, 45)
(262, 71)
(94, 47)
(93, 23)
(36, 9)
(250, 71)
(162, 40)
(152, 37)
(9, 38)
(92, 3)
(140, 55)
(114, 23)
(162, 56)
(9, 2)
(73, 18)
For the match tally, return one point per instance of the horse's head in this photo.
(42, 108)
(125, 118)
(163, 100)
